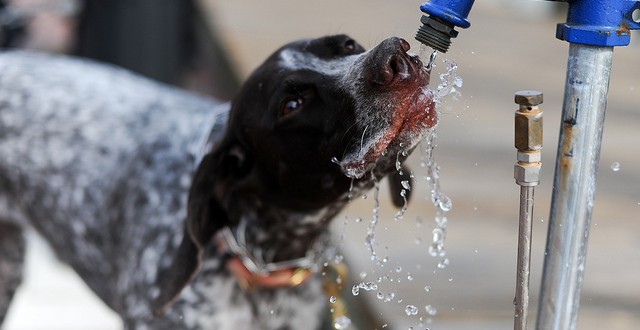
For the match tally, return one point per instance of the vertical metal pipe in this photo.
(528, 142)
(524, 257)
(583, 113)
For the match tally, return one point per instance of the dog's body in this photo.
(101, 162)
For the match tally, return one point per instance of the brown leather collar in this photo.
(290, 277)
(252, 273)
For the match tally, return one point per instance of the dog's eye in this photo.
(350, 46)
(290, 106)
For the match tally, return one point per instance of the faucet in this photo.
(438, 26)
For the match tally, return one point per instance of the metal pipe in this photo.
(523, 272)
(528, 142)
(583, 113)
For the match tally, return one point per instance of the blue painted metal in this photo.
(599, 22)
(452, 11)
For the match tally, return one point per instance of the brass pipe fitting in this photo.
(528, 138)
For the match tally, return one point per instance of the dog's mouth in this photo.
(397, 109)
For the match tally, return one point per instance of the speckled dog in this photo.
(175, 216)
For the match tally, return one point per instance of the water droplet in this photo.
(389, 297)
(450, 279)
(411, 310)
(409, 277)
(398, 269)
(363, 275)
(430, 310)
(355, 290)
(437, 250)
(615, 166)
(457, 81)
(358, 219)
(342, 322)
(444, 203)
(380, 295)
(332, 299)
(335, 160)
(441, 222)
(405, 184)
(444, 263)
(427, 288)
(369, 286)
(364, 196)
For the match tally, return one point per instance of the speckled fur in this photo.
(99, 161)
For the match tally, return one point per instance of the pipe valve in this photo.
(528, 138)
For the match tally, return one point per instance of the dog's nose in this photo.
(404, 44)
(391, 61)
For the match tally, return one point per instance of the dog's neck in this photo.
(273, 235)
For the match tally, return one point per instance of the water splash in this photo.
(403, 193)
(422, 54)
(432, 60)
(371, 230)
(366, 286)
(450, 82)
(448, 85)
(441, 201)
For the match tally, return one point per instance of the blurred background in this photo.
(510, 46)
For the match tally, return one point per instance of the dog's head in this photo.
(317, 119)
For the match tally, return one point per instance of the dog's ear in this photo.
(206, 214)
(398, 181)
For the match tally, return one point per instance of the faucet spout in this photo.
(438, 26)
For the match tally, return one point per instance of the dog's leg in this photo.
(12, 252)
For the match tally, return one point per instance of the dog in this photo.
(183, 213)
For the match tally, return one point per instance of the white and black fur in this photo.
(129, 180)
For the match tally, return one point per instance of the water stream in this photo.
(447, 83)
